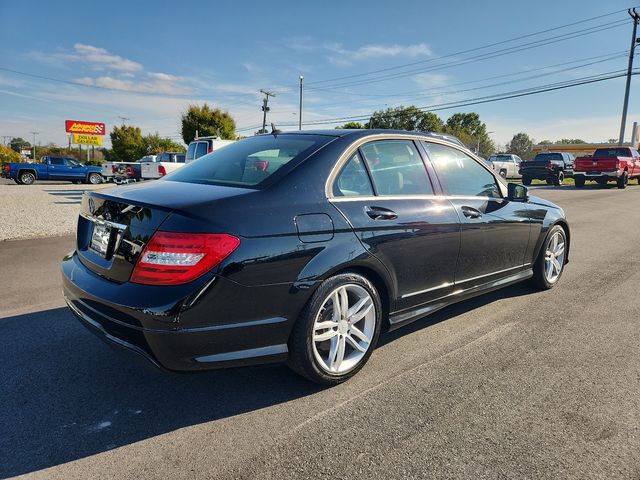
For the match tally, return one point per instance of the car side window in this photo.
(461, 174)
(201, 149)
(396, 168)
(353, 179)
(56, 161)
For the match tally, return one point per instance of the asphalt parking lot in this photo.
(513, 384)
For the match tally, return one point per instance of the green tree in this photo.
(9, 155)
(18, 143)
(522, 145)
(406, 118)
(471, 131)
(155, 144)
(127, 143)
(569, 140)
(208, 122)
(352, 125)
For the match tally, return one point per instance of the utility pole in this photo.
(265, 107)
(636, 18)
(300, 114)
(34, 145)
(124, 119)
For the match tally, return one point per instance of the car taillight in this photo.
(210, 150)
(7, 167)
(617, 165)
(175, 258)
(550, 165)
(114, 169)
(162, 170)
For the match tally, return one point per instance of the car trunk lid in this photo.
(115, 225)
(591, 164)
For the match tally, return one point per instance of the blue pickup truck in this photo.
(52, 168)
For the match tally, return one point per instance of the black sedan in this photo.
(302, 247)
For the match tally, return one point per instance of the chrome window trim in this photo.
(355, 198)
(349, 151)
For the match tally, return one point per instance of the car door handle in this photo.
(471, 212)
(380, 213)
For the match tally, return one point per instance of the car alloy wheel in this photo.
(554, 257)
(343, 329)
(95, 179)
(27, 178)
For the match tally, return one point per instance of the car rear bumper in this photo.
(162, 338)
(596, 175)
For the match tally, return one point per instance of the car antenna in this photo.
(274, 130)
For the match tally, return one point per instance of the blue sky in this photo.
(152, 59)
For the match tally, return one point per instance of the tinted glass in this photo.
(461, 174)
(611, 152)
(500, 158)
(56, 161)
(201, 149)
(249, 162)
(72, 163)
(548, 157)
(396, 168)
(191, 151)
(353, 179)
(180, 158)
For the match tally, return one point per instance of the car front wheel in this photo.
(95, 178)
(549, 265)
(337, 331)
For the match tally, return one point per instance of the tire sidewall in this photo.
(28, 175)
(307, 321)
(542, 280)
(94, 175)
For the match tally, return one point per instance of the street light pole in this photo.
(636, 18)
(300, 114)
(34, 145)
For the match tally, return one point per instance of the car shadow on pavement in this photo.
(65, 395)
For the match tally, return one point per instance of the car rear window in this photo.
(611, 152)
(547, 157)
(249, 162)
(500, 158)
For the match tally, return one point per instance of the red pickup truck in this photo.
(606, 165)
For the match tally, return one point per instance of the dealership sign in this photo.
(87, 128)
(87, 139)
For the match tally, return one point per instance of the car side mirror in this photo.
(517, 192)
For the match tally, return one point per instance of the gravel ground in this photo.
(44, 209)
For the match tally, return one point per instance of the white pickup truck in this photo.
(163, 164)
(111, 171)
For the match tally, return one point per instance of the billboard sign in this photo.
(87, 139)
(87, 128)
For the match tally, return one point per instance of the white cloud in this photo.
(343, 56)
(156, 86)
(163, 77)
(95, 57)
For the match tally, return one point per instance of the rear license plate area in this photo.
(100, 239)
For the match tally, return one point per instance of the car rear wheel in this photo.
(579, 181)
(94, 178)
(337, 331)
(503, 173)
(526, 181)
(27, 178)
(549, 265)
(623, 180)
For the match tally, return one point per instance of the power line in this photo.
(486, 99)
(475, 49)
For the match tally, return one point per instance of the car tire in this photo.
(623, 180)
(526, 181)
(27, 178)
(503, 173)
(324, 329)
(545, 270)
(550, 181)
(94, 178)
(579, 181)
(559, 179)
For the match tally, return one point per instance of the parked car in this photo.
(112, 171)
(506, 164)
(163, 164)
(203, 145)
(608, 164)
(553, 167)
(52, 168)
(303, 247)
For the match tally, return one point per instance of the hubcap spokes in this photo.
(343, 328)
(554, 257)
